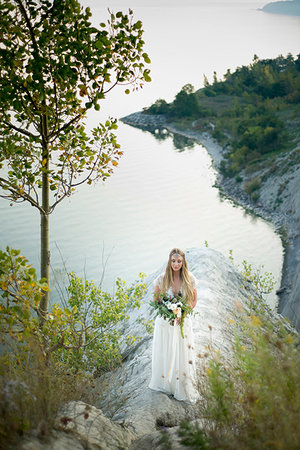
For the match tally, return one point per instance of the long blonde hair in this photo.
(168, 279)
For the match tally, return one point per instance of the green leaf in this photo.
(147, 78)
(146, 58)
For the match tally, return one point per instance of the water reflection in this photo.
(180, 142)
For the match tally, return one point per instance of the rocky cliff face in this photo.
(127, 414)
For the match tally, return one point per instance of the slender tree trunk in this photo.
(45, 246)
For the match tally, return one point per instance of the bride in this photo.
(173, 362)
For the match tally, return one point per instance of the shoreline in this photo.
(285, 224)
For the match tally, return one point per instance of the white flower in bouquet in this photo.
(177, 311)
(172, 308)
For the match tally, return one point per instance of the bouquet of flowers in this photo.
(172, 308)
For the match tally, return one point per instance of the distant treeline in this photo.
(253, 112)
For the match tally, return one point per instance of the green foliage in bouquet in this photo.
(172, 309)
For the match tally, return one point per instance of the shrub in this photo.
(251, 401)
(159, 107)
(44, 364)
(32, 390)
(254, 196)
(252, 185)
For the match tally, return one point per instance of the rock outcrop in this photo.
(127, 414)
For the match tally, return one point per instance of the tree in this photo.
(54, 67)
(185, 103)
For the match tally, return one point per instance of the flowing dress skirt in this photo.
(173, 361)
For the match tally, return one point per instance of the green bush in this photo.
(44, 364)
(252, 400)
(159, 107)
(252, 185)
(32, 390)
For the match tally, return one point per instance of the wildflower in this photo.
(255, 321)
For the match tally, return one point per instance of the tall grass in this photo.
(251, 399)
(32, 390)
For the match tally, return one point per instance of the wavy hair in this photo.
(168, 279)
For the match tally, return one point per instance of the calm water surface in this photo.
(158, 197)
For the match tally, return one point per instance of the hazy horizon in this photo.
(167, 3)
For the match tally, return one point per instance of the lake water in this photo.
(158, 197)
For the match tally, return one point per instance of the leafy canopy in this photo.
(54, 67)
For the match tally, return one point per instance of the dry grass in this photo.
(31, 393)
(253, 400)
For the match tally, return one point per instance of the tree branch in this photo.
(9, 186)
(30, 27)
(20, 130)
(64, 127)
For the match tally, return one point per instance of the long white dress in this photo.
(173, 357)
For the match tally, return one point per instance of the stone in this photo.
(124, 395)
(89, 425)
(56, 441)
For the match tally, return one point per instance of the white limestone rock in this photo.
(130, 415)
(89, 425)
(57, 441)
(126, 397)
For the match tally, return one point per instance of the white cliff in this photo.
(137, 413)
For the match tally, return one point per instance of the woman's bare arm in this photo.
(195, 298)
(156, 294)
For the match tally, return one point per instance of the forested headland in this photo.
(253, 112)
(291, 8)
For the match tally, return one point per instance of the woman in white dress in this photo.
(173, 361)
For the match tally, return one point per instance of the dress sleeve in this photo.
(194, 280)
(158, 281)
